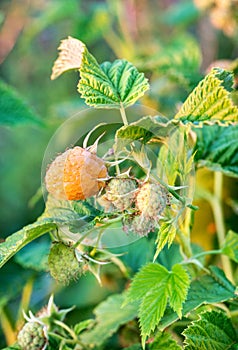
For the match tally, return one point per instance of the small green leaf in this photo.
(81, 326)
(109, 317)
(13, 110)
(208, 289)
(178, 288)
(230, 246)
(164, 341)
(166, 234)
(212, 331)
(155, 286)
(217, 148)
(143, 130)
(111, 85)
(152, 308)
(21, 238)
(150, 276)
(210, 100)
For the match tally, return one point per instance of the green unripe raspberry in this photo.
(120, 192)
(63, 265)
(151, 200)
(32, 336)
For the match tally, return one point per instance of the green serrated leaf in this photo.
(109, 317)
(111, 85)
(143, 130)
(164, 341)
(155, 286)
(166, 234)
(213, 331)
(217, 148)
(230, 246)
(81, 326)
(178, 288)
(210, 100)
(13, 110)
(208, 289)
(147, 278)
(21, 238)
(152, 308)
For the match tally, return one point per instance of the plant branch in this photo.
(7, 327)
(123, 115)
(219, 221)
(25, 300)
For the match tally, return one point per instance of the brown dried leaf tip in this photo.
(70, 56)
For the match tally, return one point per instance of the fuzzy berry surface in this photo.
(32, 337)
(151, 200)
(120, 193)
(63, 264)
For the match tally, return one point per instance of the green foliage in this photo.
(109, 85)
(212, 331)
(109, 317)
(217, 148)
(166, 234)
(179, 60)
(21, 238)
(230, 246)
(13, 110)
(207, 289)
(10, 288)
(210, 100)
(81, 326)
(154, 286)
(164, 341)
(144, 129)
(34, 256)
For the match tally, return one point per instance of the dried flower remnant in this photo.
(75, 175)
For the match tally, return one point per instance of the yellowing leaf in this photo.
(210, 100)
(70, 56)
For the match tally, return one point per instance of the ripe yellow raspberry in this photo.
(75, 174)
(151, 200)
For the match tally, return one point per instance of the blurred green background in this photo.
(173, 42)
